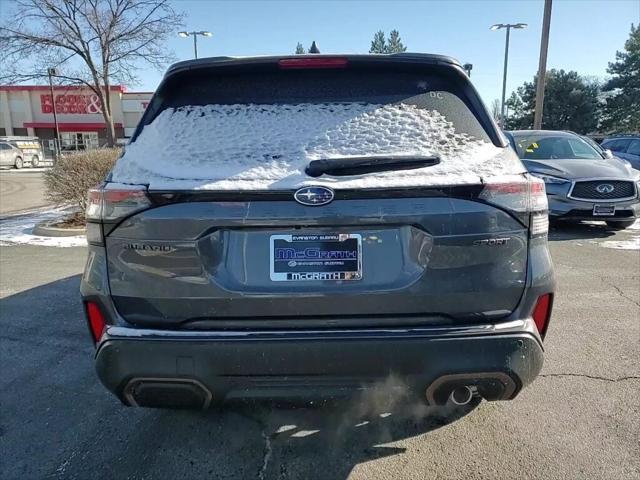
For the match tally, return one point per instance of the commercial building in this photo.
(27, 110)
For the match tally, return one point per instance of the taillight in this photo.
(522, 195)
(542, 313)
(317, 62)
(113, 203)
(97, 323)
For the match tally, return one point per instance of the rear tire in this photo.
(19, 163)
(35, 162)
(619, 225)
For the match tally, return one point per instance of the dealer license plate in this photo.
(604, 210)
(332, 257)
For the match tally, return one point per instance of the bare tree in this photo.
(495, 109)
(93, 42)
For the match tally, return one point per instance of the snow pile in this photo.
(260, 147)
(632, 243)
(17, 230)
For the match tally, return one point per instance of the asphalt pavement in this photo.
(21, 190)
(580, 419)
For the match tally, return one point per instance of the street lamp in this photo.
(508, 26)
(195, 39)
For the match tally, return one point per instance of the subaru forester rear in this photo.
(308, 226)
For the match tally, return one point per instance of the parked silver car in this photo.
(10, 156)
(582, 182)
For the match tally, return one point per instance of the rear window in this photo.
(259, 131)
(330, 87)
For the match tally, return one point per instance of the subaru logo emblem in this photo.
(605, 188)
(313, 195)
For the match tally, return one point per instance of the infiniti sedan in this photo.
(582, 183)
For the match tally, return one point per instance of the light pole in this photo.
(195, 39)
(542, 65)
(52, 72)
(508, 26)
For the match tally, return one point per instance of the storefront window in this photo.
(78, 140)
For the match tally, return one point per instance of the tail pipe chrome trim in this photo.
(463, 386)
(461, 395)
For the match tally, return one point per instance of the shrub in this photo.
(68, 181)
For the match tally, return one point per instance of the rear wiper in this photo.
(359, 165)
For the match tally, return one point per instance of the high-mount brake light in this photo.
(306, 62)
(111, 204)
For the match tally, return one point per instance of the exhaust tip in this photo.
(167, 393)
(461, 395)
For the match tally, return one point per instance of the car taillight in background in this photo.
(526, 195)
(111, 204)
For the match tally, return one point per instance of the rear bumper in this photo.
(563, 208)
(156, 368)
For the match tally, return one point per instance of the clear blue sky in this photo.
(585, 34)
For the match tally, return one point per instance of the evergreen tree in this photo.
(394, 44)
(379, 43)
(621, 111)
(300, 49)
(570, 103)
(514, 111)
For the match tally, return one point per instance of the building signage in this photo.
(72, 104)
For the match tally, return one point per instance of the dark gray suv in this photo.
(306, 227)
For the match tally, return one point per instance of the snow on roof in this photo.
(263, 147)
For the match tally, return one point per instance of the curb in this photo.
(14, 171)
(46, 230)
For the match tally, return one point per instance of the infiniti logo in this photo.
(605, 188)
(313, 195)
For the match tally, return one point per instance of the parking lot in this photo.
(580, 419)
(21, 190)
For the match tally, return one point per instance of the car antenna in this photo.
(314, 48)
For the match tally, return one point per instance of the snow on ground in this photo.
(635, 226)
(259, 147)
(17, 230)
(632, 243)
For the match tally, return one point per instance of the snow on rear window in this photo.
(262, 147)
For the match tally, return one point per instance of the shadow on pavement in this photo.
(330, 442)
(560, 231)
(58, 421)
